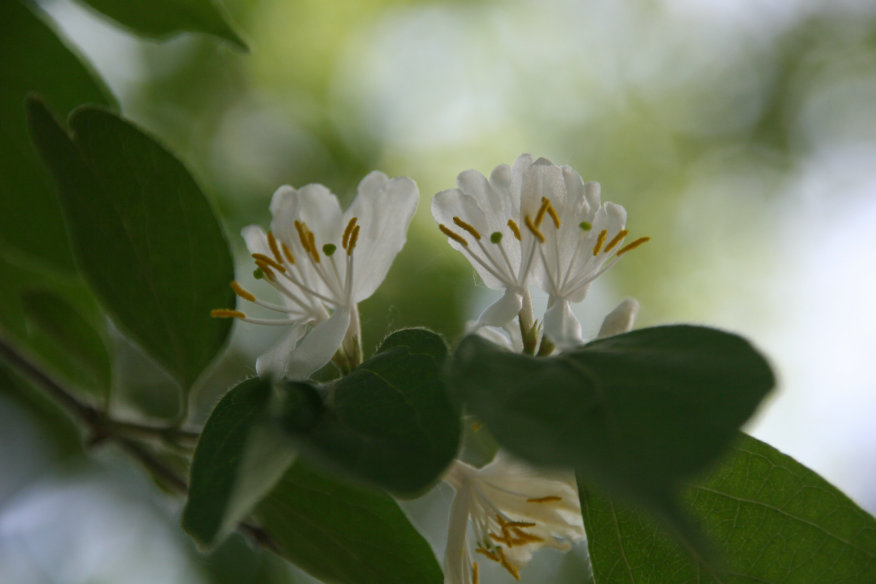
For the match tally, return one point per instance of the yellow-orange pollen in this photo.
(452, 235)
(474, 573)
(514, 229)
(533, 228)
(226, 313)
(351, 235)
(632, 246)
(548, 499)
(308, 242)
(238, 289)
(601, 246)
(467, 227)
(547, 207)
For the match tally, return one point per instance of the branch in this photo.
(104, 428)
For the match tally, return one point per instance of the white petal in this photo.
(273, 362)
(457, 561)
(313, 204)
(256, 240)
(319, 346)
(561, 326)
(384, 209)
(619, 320)
(503, 310)
(542, 179)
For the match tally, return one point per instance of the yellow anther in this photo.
(521, 537)
(312, 243)
(354, 237)
(632, 246)
(553, 213)
(507, 565)
(548, 499)
(514, 229)
(452, 235)
(485, 552)
(499, 538)
(518, 524)
(238, 289)
(474, 573)
(261, 258)
(226, 313)
(266, 270)
(600, 241)
(347, 231)
(539, 217)
(532, 227)
(468, 227)
(272, 243)
(616, 240)
(287, 253)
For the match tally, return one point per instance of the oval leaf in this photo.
(238, 460)
(636, 411)
(344, 533)
(143, 235)
(160, 19)
(31, 221)
(389, 422)
(772, 520)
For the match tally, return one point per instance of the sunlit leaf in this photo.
(239, 458)
(31, 221)
(771, 519)
(143, 234)
(389, 422)
(164, 18)
(344, 533)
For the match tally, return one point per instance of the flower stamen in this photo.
(452, 235)
(474, 573)
(227, 313)
(533, 228)
(539, 216)
(514, 229)
(238, 289)
(548, 499)
(468, 227)
(354, 237)
(261, 258)
(345, 239)
(599, 242)
(615, 240)
(632, 246)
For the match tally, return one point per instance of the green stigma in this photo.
(258, 274)
(328, 249)
(585, 226)
(495, 237)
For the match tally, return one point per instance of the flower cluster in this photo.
(535, 220)
(531, 221)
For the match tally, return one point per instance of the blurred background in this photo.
(740, 135)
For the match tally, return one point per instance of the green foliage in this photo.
(238, 460)
(143, 234)
(57, 318)
(164, 18)
(635, 412)
(31, 221)
(341, 532)
(389, 422)
(771, 518)
(78, 348)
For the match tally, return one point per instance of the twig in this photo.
(103, 428)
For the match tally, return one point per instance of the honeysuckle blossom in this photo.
(513, 510)
(323, 261)
(485, 220)
(579, 239)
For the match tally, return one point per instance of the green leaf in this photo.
(31, 221)
(239, 458)
(773, 520)
(143, 234)
(389, 422)
(341, 532)
(79, 350)
(635, 412)
(160, 19)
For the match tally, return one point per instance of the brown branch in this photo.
(104, 428)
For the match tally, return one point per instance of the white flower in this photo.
(485, 220)
(323, 261)
(514, 511)
(579, 238)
